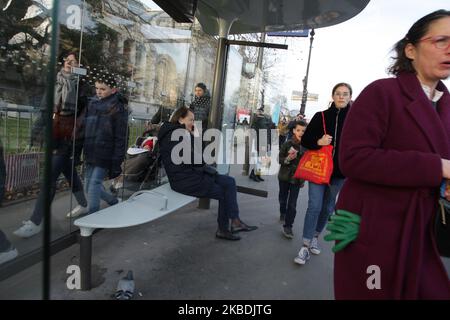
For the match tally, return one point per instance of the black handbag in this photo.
(442, 228)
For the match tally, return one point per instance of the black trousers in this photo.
(287, 197)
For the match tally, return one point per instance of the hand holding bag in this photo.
(316, 165)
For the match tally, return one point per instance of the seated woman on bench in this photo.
(194, 180)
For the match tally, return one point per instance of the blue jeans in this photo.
(61, 163)
(287, 197)
(321, 204)
(224, 190)
(95, 189)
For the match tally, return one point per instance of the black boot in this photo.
(258, 176)
(253, 176)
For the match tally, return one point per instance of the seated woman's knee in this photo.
(227, 181)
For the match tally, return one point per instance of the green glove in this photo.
(344, 226)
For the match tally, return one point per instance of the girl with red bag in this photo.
(322, 197)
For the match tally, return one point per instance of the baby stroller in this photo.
(140, 166)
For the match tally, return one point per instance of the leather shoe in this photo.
(253, 176)
(258, 177)
(242, 227)
(227, 235)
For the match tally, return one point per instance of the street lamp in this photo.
(305, 80)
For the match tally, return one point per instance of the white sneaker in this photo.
(77, 211)
(28, 229)
(6, 256)
(303, 256)
(314, 248)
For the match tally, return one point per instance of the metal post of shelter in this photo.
(218, 86)
(305, 80)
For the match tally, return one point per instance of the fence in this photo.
(15, 126)
(24, 166)
(22, 170)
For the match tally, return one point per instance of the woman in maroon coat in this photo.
(394, 150)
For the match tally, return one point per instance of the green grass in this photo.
(15, 134)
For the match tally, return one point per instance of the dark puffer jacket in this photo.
(105, 132)
(334, 122)
(287, 169)
(185, 178)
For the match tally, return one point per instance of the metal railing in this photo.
(16, 124)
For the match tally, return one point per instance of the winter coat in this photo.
(185, 178)
(201, 106)
(334, 122)
(106, 131)
(64, 145)
(262, 121)
(288, 168)
(391, 149)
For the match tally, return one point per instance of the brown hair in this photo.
(401, 62)
(342, 84)
(180, 113)
(299, 123)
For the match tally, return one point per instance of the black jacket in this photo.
(106, 132)
(185, 178)
(288, 168)
(201, 106)
(334, 122)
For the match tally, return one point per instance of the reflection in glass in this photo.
(156, 63)
(24, 57)
(246, 126)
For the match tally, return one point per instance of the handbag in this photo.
(442, 228)
(63, 126)
(316, 165)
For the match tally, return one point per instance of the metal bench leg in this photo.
(86, 258)
(203, 203)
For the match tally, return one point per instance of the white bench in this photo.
(142, 207)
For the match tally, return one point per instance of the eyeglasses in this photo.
(440, 42)
(339, 94)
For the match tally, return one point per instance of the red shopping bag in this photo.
(316, 165)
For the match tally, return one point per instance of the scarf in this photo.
(66, 93)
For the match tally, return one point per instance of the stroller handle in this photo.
(166, 200)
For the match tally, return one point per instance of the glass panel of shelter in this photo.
(154, 60)
(251, 153)
(24, 58)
